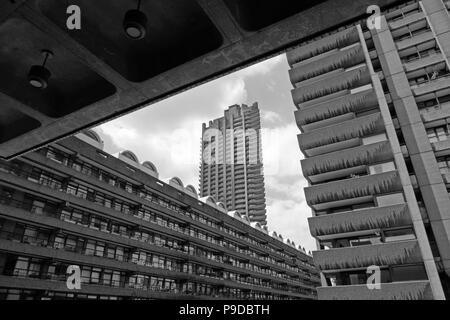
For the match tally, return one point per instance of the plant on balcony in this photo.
(365, 219)
(336, 107)
(342, 59)
(339, 82)
(362, 155)
(337, 40)
(354, 188)
(363, 256)
(355, 128)
(414, 290)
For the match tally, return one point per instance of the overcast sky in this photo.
(168, 133)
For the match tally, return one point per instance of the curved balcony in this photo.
(344, 58)
(359, 220)
(350, 189)
(355, 128)
(349, 158)
(337, 81)
(337, 40)
(407, 290)
(332, 108)
(384, 254)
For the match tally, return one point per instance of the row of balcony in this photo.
(328, 225)
(325, 113)
(340, 136)
(348, 191)
(407, 290)
(342, 163)
(383, 254)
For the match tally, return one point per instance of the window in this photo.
(399, 235)
(409, 273)
(437, 133)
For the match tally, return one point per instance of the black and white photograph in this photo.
(233, 158)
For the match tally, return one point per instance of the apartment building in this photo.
(373, 108)
(231, 168)
(132, 235)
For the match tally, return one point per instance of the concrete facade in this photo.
(231, 168)
(376, 157)
(132, 235)
(128, 74)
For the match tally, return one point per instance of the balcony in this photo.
(442, 145)
(315, 167)
(384, 254)
(334, 41)
(431, 86)
(413, 18)
(437, 112)
(343, 58)
(347, 130)
(351, 189)
(338, 81)
(325, 226)
(414, 41)
(408, 290)
(341, 105)
(420, 67)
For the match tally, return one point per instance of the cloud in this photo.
(281, 154)
(289, 218)
(233, 91)
(261, 68)
(269, 117)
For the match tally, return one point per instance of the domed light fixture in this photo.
(39, 75)
(135, 23)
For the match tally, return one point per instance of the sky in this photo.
(168, 134)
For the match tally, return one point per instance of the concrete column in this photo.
(392, 66)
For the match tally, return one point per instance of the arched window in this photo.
(149, 165)
(177, 181)
(93, 135)
(130, 155)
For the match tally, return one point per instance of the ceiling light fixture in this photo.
(135, 23)
(39, 75)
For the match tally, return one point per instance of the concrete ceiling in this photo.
(98, 73)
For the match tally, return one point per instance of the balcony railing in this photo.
(368, 185)
(348, 158)
(384, 254)
(408, 290)
(347, 130)
(336, 40)
(358, 220)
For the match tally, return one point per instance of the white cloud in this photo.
(289, 218)
(233, 91)
(261, 68)
(269, 117)
(281, 154)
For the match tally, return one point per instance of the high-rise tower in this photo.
(373, 106)
(231, 168)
